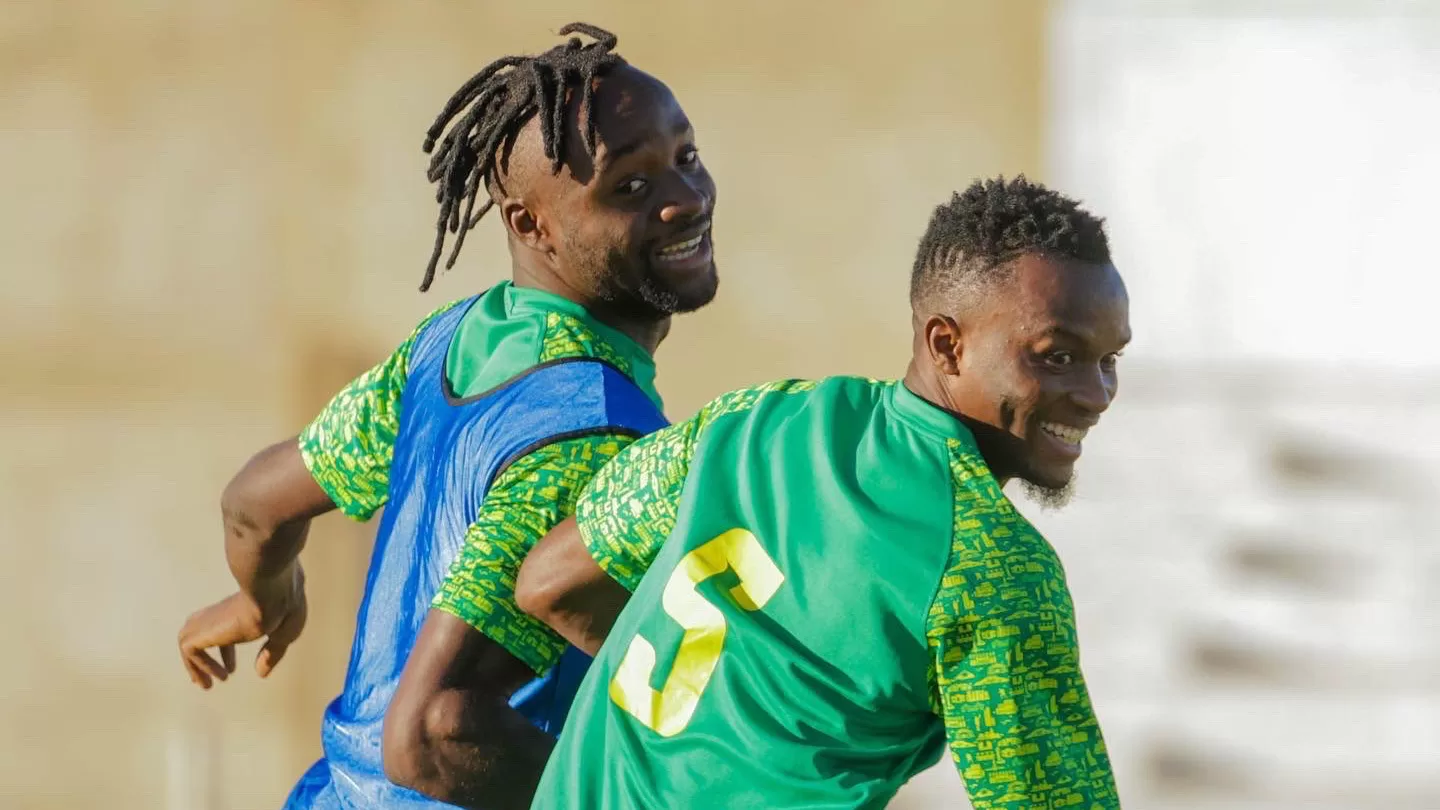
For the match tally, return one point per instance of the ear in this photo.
(525, 225)
(943, 343)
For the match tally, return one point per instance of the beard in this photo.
(1049, 499)
(632, 288)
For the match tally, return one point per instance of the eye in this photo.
(634, 185)
(1110, 360)
(689, 157)
(1059, 359)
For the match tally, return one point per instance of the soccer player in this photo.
(478, 432)
(837, 583)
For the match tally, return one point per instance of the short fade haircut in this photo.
(992, 223)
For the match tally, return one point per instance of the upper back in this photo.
(836, 585)
(786, 613)
(850, 511)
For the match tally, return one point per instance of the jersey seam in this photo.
(453, 398)
(485, 622)
(946, 565)
(617, 431)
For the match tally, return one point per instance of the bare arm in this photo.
(561, 584)
(578, 578)
(450, 732)
(266, 510)
(341, 460)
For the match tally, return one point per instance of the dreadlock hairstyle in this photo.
(994, 222)
(489, 111)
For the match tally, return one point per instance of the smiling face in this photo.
(629, 229)
(1032, 356)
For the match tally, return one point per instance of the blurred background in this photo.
(214, 214)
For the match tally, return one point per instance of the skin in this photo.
(594, 233)
(1036, 346)
(266, 511)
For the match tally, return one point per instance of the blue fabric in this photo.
(446, 457)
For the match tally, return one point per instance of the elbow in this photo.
(403, 746)
(399, 749)
(535, 597)
(242, 509)
(268, 479)
(412, 744)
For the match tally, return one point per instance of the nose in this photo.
(1094, 390)
(686, 200)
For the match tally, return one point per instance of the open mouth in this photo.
(686, 250)
(1066, 434)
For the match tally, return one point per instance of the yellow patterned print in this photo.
(630, 507)
(567, 336)
(1007, 678)
(527, 500)
(350, 445)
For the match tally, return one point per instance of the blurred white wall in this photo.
(1254, 545)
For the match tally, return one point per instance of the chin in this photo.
(1050, 492)
(683, 295)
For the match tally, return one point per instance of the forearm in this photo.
(561, 585)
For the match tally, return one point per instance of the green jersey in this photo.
(837, 587)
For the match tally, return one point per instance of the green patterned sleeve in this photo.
(630, 507)
(1006, 679)
(527, 500)
(349, 446)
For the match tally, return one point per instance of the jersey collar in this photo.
(919, 413)
(521, 300)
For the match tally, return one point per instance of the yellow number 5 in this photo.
(668, 710)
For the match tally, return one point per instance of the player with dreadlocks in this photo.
(478, 433)
(837, 583)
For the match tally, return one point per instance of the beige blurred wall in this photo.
(214, 214)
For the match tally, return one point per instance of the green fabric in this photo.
(349, 447)
(839, 586)
(513, 328)
(527, 500)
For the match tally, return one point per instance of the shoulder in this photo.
(450, 311)
(744, 400)
(564, 336)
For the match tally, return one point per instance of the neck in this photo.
(646, 331)
(925, 382)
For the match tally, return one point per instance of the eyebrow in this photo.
(613, 156)
(1078, 338)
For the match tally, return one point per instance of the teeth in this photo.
(1065, 433)
(682, 248)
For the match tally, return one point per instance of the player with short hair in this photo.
(837, 583)
(477, 434)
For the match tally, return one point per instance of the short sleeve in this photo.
(630, 507)
(1006, 679)
(349, 447)
(527, 500)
